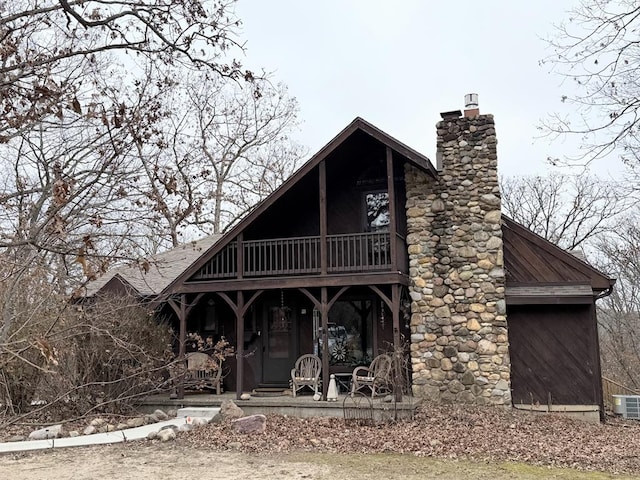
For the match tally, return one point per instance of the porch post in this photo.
(391, 192)
(239, 344)
(324, 313)
(322, 187)
(182, 316)
(397, 347)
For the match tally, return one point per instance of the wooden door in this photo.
(279, 349)
(553, 355)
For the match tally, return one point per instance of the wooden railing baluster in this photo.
(301, 255)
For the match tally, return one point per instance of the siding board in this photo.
(551, 349)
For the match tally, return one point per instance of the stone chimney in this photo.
(459, 346)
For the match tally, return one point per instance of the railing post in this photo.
(239, 256)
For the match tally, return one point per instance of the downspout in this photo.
(606, 292)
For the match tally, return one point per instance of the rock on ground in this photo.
(53, 431)
(167, 435)
(250, 424)
(135, 422)
(229, 410)
(160, 415)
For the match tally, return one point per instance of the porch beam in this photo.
(383, 297)
(234, 305)
(228, 300)
(378, 278)
(393, 227)
(336, 297)
(250, 302)
(313, 299)
(194, 303)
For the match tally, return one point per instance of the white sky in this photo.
(398, 64)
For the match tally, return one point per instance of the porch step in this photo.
(208, 412)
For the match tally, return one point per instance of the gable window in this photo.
(377, 211)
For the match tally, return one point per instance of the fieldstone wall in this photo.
(459, 346)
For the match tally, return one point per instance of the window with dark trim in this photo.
(376, 208)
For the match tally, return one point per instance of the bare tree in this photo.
(596, 49)
(221, 151)
(81, 96)
(619, 316)
(568, 210)
(44, 42)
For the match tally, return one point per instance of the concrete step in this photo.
(207, 412)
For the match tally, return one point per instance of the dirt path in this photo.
(152, 461)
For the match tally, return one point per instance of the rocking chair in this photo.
(306, 373)
(203, 372)
(377, 376)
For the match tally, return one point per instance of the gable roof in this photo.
(530, 258)
(162, 270)
(357, 125)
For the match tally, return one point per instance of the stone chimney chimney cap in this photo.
(451, 115)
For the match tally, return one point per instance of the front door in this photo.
(279, 348)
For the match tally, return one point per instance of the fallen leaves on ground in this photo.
(480, 433)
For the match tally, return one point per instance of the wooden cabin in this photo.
(340, 262)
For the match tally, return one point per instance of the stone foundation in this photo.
(459, 346)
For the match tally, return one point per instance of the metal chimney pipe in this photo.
(471, 108)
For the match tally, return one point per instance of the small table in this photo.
(343, 382)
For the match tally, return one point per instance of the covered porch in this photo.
(346, 326)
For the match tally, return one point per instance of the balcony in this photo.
(347, 253)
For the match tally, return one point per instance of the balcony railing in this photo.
(348, 253)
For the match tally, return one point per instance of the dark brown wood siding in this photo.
(553, 353)
(295, 214)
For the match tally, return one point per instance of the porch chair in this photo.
(203, 372)
(377, 376)
(306, 373)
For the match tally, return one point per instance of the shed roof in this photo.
(530, 259)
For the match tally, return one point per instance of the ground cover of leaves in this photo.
(452, 432)
(480, 434)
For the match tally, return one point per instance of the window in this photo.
(350, 333)
(377, 211)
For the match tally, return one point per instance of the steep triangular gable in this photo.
(413, 157)
(117, 285)
(530, 259)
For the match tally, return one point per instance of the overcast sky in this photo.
(399, 64)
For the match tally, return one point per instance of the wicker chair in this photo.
(203, 372)
(377, 376)
(306, 373)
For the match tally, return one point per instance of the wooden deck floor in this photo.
(302, 406)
